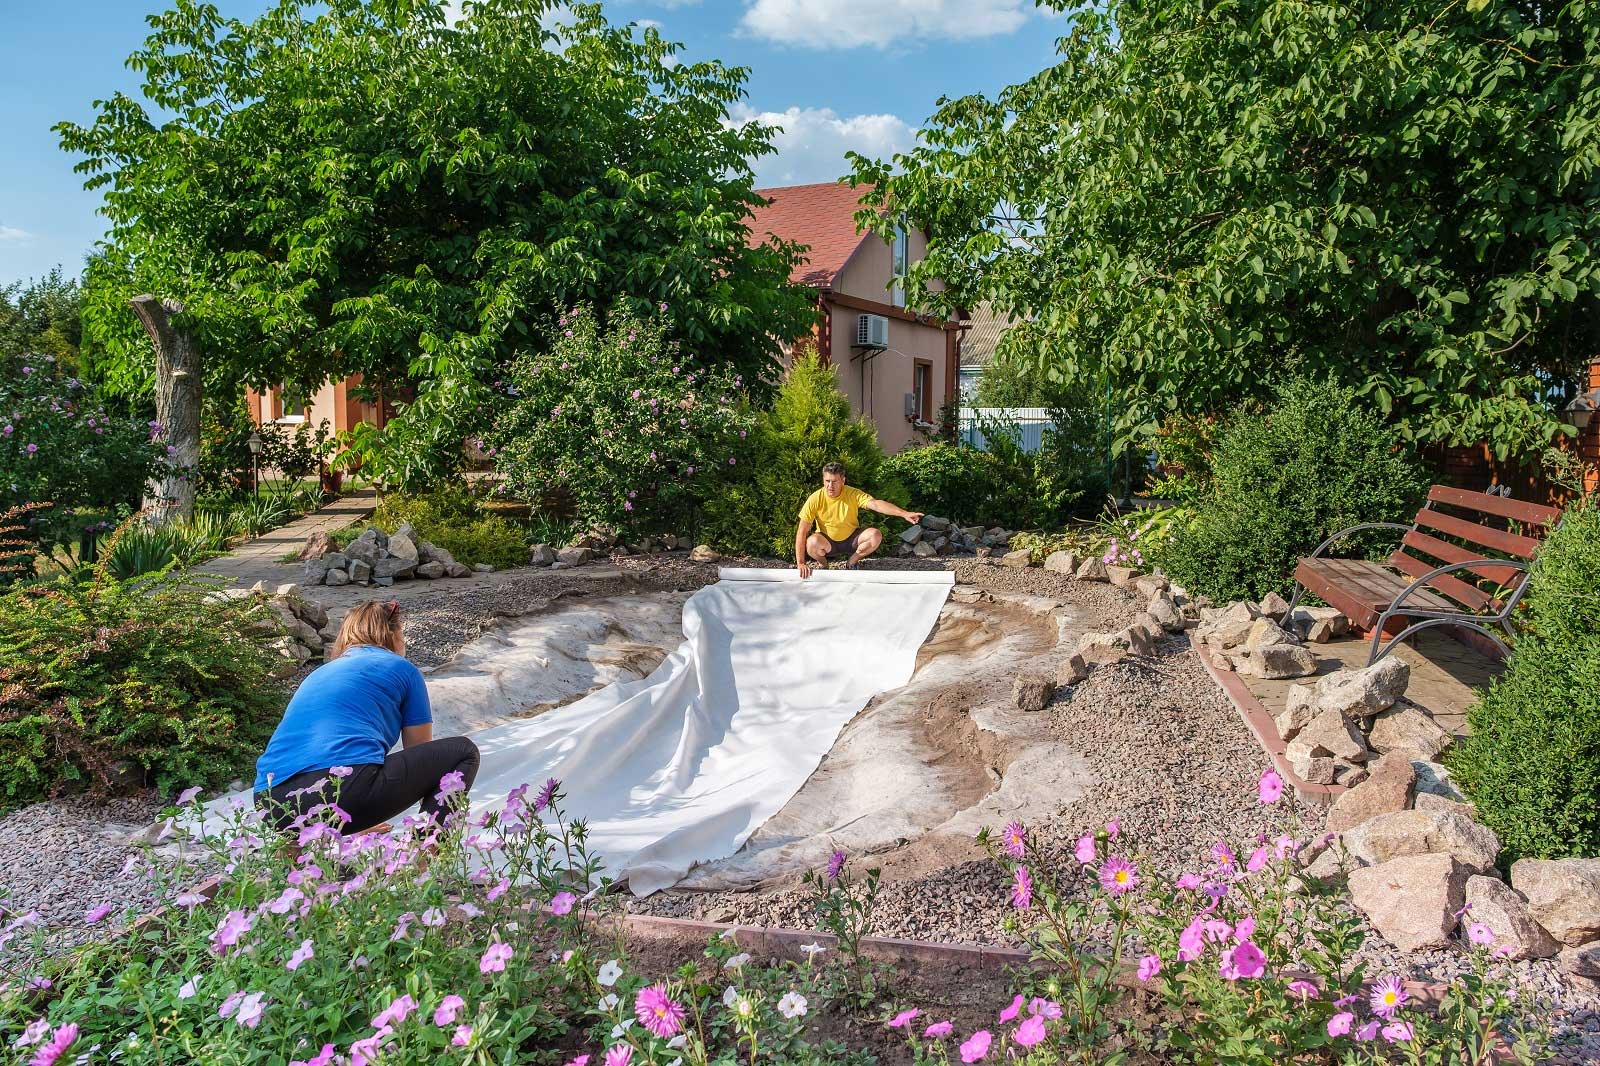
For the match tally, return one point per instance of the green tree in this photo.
(43, 317)
(1199, 201)
(358, 187)
(810, 424)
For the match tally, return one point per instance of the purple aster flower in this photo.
(835, 865)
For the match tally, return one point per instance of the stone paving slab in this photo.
(257, 560)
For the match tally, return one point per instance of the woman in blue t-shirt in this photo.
(345, 717)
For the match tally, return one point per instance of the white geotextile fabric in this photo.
(682, 766)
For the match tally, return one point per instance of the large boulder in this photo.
(1264, 631)
(431, 571)
(1165, 612)
(1300, 706)
(367, 548)
(923, 550)
(1276, 662)
(403, 547)
(1333, 731)
(911, 534)
(1386, 790)
(1365, 692)
(1563, 896)
(1582, 960)
(360, 571)
(1412, 901)
(1492, 902)
(1393, 836)
(338, 577)
(934, 522)
(1406, 728)
(315, 571)
(541, 555)
(1062, 562)
(393, 568)
(1032, 692)
(575, 555)
(1017, 559)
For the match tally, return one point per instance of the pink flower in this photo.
(1030, 1032)
(187, 796)
(581, 1060)
(301, 954)
(835, 865)
(1022, 889)
(1013, 1010)
(938, 1030)
(250, 1010)
(1258, 859)
(1283, 846)
(903, 1019)
(657, 1012)
(1084, 852)
(1479, 933)
(1217, 930)
(451, 783)
(1191, 942)
(234, 925)
(340, 771)
(1249, 960)
(395, 1013)
(1244, 929)
(1013, 840)
(546, 796)
(1044, 1008)
(1368, 1031)
(1270, 787)
(59, 1042)
(1189, 881)
(325, 1057)
(976, 1046)
(97, 914)
(1387, 996)
(462, 1036)
(499, 890)
(562, 903)
(1304, 989)
(1149, 966)
(1397, 1032)
(1339, 1024)
(494, 960)
(1113, 827)
(449, 1007)
(620, 1055)
(1117, 875)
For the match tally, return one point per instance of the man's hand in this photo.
(804, 566)
(913, 517)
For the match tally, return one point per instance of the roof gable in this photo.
(822, 217)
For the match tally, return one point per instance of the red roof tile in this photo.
(822, 217)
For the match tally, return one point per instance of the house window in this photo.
(897, 289)
(283, 403)
(922, 389)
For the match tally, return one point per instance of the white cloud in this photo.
(813, 141)
(452, 12)
(647, 24)
(12, 233)
(880, 23)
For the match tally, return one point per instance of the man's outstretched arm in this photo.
(885, 507)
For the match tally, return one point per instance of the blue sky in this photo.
(837, 74)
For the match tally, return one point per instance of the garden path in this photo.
(257, 560)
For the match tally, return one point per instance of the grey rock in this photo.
(1391, 836)
(483, 568)
(1165, 612)
(1062, 562)
(1366, 691)
(1017, 559)
(574, 556)
(317, 545)
(1406, 728)
(911, 534)
(393, 568)
(360, 571)
(315, 572)
(1093, 569)
(1434, 779)
(541, 555)
(337, 577)
(1563, 896)
(337, 561)
(1276, 662)
(383, 582)
(934, 522)
(365, 548)
(1333, 731)
(1032, 692)
(404, 548)
(922, 549)
(1494, 903)
(1412, 900)
(457, 569)
(1224, 633)
(431, 571)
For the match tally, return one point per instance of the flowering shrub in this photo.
(58, 444)
(844, 908)
(636, 429)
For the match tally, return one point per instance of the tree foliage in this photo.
(1200, 200)
(359, 187)
(43, 317)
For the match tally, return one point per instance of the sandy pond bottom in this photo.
(911, 778)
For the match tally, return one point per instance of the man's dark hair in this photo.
(834, 467)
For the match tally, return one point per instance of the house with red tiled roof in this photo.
(897, 366)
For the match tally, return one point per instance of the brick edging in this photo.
(1265, 729)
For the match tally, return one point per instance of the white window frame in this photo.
(899, 263)
(278, 396)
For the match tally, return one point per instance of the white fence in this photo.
(1029, 422)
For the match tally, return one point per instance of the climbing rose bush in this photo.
(634, 427)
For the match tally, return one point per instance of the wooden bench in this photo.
(1462, 562)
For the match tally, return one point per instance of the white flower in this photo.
(608, 974)
(813, 950)
(609, 1003)
(792, 1005)
(620, 1028)
(727, 934)
(190, 987)
(677, 1041)
(737, 961)
(743, 1007)
(729, 996)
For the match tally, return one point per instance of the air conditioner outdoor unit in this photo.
(872, 331)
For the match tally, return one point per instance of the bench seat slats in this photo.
(1447, 584)
(1446, 552)
(1361, 589)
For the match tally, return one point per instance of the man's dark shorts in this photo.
(842, 549)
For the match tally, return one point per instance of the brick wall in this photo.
(1589, 442)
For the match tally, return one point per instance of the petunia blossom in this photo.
(445, 1013)
(1340, 1023)
(1149, 966)
(976, 1046)
(494, 960)
(904, 1018)
(1270, 787)
(939, 1030)
(1013, 1010)
(1030, 1032)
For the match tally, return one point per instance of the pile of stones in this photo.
(1263, 640)
(379, 558)
(297, 628)
(603, 542)
(940, 536)
(1333, 728)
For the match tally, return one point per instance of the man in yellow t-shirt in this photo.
(833, 511)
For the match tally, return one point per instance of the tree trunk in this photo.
(170, 494)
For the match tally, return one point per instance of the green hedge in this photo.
(1532, 761)
(1283, 480)
(452, 520)
(102, 678)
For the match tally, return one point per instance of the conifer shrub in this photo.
(810, 424)
(1284, 479)
(1532, 760)
(106, 684)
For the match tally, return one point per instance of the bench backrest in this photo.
(1456, 526)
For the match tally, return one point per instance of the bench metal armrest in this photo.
(1511, 601)
(1355, 529)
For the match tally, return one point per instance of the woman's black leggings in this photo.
(376, 792)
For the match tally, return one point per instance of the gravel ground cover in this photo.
(1173, 763)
